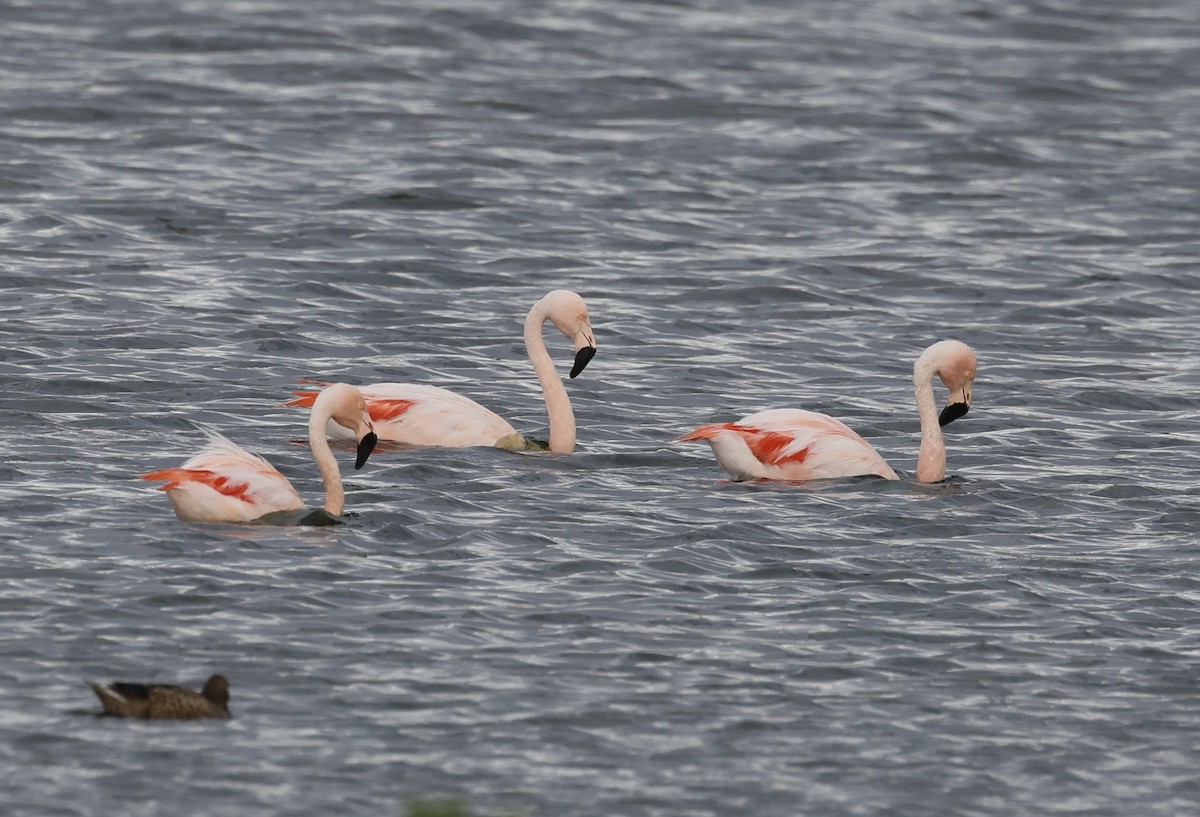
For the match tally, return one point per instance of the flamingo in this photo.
(430, 415)
(796, 445)
(226, 483)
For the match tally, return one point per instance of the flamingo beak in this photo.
(582, 357)
(957, 406)
(585, 348)
(365, 446)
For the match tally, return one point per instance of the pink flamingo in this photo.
(430, 415)
(796, 445)
(225, 483)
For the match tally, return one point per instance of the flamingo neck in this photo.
(558, 405)
(931, 462)
(335, 495)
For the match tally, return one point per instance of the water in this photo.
(765, 205)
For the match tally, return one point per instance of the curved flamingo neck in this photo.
(931, 462)
(335, 495)
(558, 405)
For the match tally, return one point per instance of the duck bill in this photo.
(583, 356)
(365, 446)
(957, 406)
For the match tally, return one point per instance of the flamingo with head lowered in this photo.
(430, 415)
(796, 445)
(225, 483)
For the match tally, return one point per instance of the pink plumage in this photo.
(429, 415)
(797, 445)
(790, 444)
(226, 483)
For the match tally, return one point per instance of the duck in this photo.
(164, 701)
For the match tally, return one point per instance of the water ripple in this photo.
(764, 206)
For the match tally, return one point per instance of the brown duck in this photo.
(166, 701)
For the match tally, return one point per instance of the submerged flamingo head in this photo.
(955, 365)
(347, 407)
(569, 314)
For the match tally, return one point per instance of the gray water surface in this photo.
(765, 205)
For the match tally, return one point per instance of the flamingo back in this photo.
(790, 444)
(226, 483)
(423, 415)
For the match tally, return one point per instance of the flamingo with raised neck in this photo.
(797, 445)
(430, 415)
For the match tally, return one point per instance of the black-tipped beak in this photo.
(582, 358)
(365, 446)
(952, 412)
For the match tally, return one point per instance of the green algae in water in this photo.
(303, 517)
(519, 442)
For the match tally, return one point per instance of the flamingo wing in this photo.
(423, 415)
(790, 444)
(226, 483)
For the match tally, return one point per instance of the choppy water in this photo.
(765, 205)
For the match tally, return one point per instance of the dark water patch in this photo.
(317, 517)
(433, 199)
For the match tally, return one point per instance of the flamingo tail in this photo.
(303, 398)
(704, 432)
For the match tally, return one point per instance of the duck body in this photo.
(164, 701)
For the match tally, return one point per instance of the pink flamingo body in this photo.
(433, 416)
(790, 444)
(226, 483)
(796, 445)
(430, 415)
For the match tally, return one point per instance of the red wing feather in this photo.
(220, 483)
(383, 410)
(768, 446)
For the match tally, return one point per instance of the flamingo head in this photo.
(955, 365)
(347, 407)
(569, 314)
